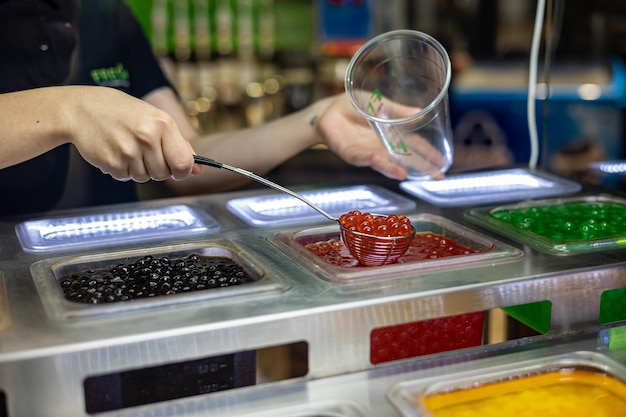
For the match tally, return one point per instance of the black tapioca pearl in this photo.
(146, 277)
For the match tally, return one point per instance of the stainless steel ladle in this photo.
(212, 163)
(369, 250)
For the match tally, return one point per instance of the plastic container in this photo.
(489, 187)
(560, 226)
(564, 385)
(114, 228)
(48, 273)
(270, 210)
(483, 250)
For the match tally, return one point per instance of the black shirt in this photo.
(62, 42)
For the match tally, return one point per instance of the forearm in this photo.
(121, 135)
(257, 149)
(31, 123)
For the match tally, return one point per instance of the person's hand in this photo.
(348, 134)
(126, 137)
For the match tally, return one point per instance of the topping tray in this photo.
(578, 383)
(439, 244)
(116, 282)
(560, 226)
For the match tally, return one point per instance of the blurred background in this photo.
(240, 63)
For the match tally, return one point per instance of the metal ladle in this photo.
(212, 163)
(369, 250)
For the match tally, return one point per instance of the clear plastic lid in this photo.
(281, 209)
(113, 228)
(489, 187)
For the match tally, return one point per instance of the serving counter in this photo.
(156, 356)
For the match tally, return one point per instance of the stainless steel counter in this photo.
(371, 393)
(45, 357)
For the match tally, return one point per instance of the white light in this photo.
(589, 91)
(327, 200)
(491, 182)
(617, 167)
(115, 223)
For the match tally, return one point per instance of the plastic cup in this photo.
(399, 82)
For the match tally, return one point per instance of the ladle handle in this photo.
(212, 163)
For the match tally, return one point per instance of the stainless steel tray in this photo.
(489, 187)
(270, 210)
(114, 228)
(488, 251)
(47, 273)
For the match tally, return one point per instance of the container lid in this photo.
(489, 187)
(271, 210)
(107, 228)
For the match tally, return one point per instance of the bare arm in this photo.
(139, 140)
(123, 136)
(331, 121)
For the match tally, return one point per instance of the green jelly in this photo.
(569, 221)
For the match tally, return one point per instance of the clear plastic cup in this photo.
(399, 82)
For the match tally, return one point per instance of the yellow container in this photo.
(564, 392)
(579, 384)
